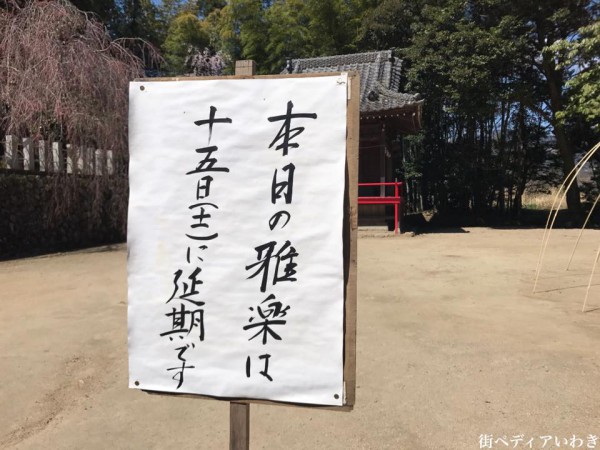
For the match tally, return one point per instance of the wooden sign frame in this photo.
(239, 406)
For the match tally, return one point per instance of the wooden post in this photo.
(239, 413)
(10, 152)
(396, 205)
(98, 160)
(79, 153)
(247, 67)
(69, 159)
(28, 159)
(239, 426)
(110, 168)
(42, 155)
(89, 161)
(351, 236)
(382, 163)
(57, 159)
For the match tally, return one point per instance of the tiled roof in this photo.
(379, 79)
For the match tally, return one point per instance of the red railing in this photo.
(396, 200)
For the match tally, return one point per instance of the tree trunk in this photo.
(555, 86)
(567, 154)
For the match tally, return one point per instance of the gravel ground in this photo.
(452, 345)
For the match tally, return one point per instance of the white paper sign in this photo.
(235, 238)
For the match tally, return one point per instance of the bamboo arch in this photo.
(568, 182)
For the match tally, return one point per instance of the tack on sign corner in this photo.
(236, 266)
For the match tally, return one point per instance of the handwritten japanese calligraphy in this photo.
(235, 268)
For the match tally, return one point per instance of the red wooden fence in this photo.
(396, 200)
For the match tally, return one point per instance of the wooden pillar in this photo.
(239, 426)
(239, 413)
(80, 155)
(42, 155)
(382, 148)
(57, 157)
(69, 159)
(350, 236)
(110, 168)
(11, 151)
(28, 161)
(98, 162)
(246, 67)
(89, 161)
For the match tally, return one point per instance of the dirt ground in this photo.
(452, 345)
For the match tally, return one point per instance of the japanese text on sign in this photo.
(235, 249)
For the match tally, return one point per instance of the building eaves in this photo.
(380, 74)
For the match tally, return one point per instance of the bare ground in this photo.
(451, 345)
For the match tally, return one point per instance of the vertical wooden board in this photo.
(10, 152)
(28, 161)
(98, 160)
(57, 160)
(89, 161)
(350, 236)
(42, 155)
(69, 162)
(382, 161)
(110, 168)
(245, 68)
(239, 413)
(239, 426)
(79, 154)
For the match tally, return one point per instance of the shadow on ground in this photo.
(456, 221)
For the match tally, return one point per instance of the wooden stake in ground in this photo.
(239, 426)
(239, 413)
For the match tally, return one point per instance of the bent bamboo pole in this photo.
(587, 292)
(571, 177)
(581, 232)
